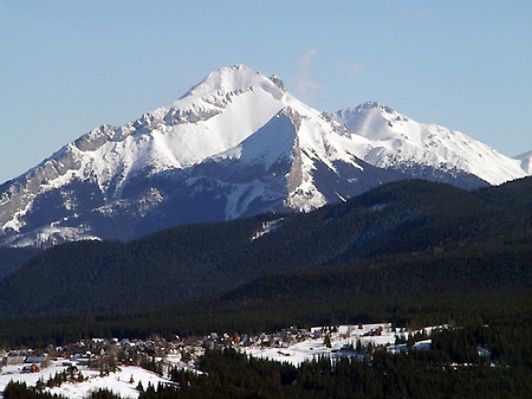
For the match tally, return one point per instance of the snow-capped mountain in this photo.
(236, 144)
(390, 140)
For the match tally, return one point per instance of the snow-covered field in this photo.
(118, 382)
(346, 336)
(14, 373)
(291, 345)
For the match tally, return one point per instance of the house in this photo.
(397, 348)
(483, 352)
(35, 359)
(14, 360)
(31, 369)
(424, 345)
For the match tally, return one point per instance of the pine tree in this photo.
(327, 341)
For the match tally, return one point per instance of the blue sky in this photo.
(68, 66)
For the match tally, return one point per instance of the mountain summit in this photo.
(388, 139)
(234, 145)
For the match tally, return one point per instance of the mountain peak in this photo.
(389, 139)
(236, 144)
(231, 79)
(370, 105)
(367, 107)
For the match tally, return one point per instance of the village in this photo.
(127, 366)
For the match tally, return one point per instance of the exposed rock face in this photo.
(236, 144)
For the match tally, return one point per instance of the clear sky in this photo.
(69, 66)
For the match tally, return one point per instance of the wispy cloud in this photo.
(306, 85)
(414, 14)
(353, 70)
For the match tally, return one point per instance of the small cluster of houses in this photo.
(124, 365)
(352, 341)
(161, 355)
(30, 360)
(279, 339)
(156, 354)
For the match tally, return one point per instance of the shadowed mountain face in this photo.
(402, 219)
(237, 144)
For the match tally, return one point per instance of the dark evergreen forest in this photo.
(415, 253)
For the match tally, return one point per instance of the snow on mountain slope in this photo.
(267, 145)
(389, 139)
(227, 107)
(278, 164)
(525, 160)
(234, 145)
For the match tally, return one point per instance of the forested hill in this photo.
(397, 220)
(11, 259)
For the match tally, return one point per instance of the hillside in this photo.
(488, 283)
(12, 259)
(411, 218)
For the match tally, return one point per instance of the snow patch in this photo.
(266, 228)
(117, 382)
